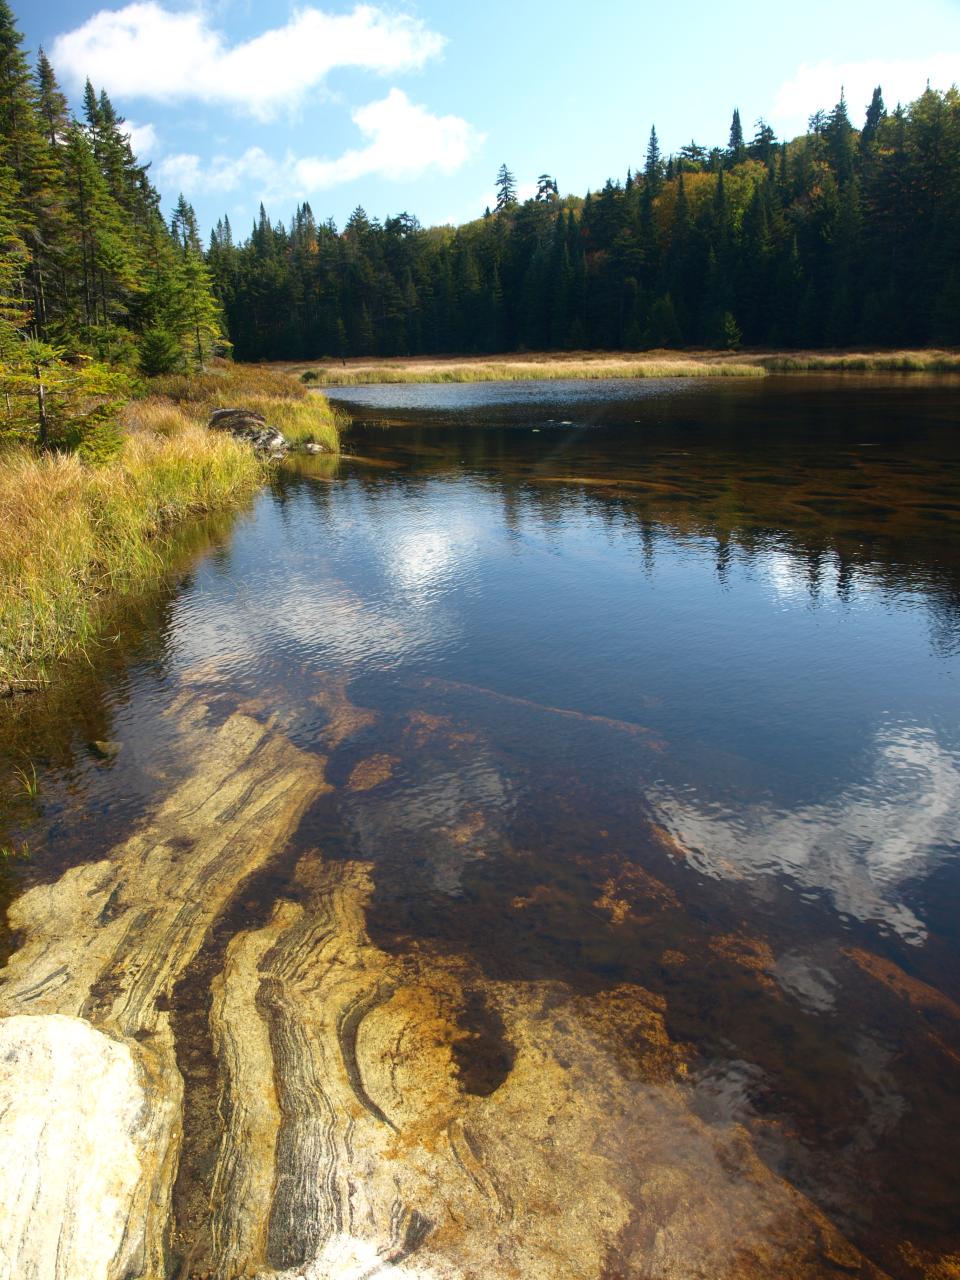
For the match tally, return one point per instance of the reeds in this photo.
(496, 371)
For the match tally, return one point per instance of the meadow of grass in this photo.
(527, 371)
(74, 532)
(608, 364)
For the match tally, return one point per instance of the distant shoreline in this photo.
(529, 366)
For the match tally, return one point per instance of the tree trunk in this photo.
(41, 408)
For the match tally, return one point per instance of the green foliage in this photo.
(88, 268)
(58, 404)
(161, 351)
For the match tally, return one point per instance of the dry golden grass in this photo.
(528, 371)
(591, 365)
(73, 532)
(863, 362)
(283, 401)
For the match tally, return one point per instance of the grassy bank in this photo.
(591, 365)
(863, 362)
(529, 371)
(178, 400)
(73, 532)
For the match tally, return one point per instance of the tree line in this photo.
(840, 236)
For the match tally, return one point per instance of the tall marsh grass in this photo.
(74, 532)
(868, 362)
(496, 371)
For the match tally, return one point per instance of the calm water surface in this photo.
(702, 633)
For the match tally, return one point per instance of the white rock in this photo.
(71, 1114)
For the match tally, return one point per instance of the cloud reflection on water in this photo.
(862, 846)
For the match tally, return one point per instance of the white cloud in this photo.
(146, 51)
(403, 141)
(143, 139)
(818, 86)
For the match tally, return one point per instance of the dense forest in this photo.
(841, 236)
(838, 237)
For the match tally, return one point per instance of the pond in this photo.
(532, 841)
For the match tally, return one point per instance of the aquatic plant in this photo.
(28, 780)
(15, 852)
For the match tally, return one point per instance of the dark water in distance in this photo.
(707, 631)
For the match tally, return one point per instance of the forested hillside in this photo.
(837, 237)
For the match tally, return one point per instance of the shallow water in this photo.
(662, 683)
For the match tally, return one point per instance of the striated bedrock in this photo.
(365, 1112)
(368, 1153)
(106, 944)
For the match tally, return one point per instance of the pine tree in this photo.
(876, 114)
(199, 329)
(839, 135)
(653, 167)
(53, 104)
(23, 147)
(736, 151)
(506, 190)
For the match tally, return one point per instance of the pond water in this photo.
(650, 687)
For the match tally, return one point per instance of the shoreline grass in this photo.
(863, 362)
(74, 533)
(598, 365)
(283, 401)
(496, 371)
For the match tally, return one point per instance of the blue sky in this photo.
(414, 106)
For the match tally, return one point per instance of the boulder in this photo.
(243, 424)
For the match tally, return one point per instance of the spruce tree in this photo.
(876, 114)
(506, 190)
(653, 167)
(736, 150)
(53, 104)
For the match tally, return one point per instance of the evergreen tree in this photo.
(53, 104)
(506, 189)
(736, 150)
(653, 166)
(876, 114)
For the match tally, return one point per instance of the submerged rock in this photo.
(243, 424)
(257, 1087)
